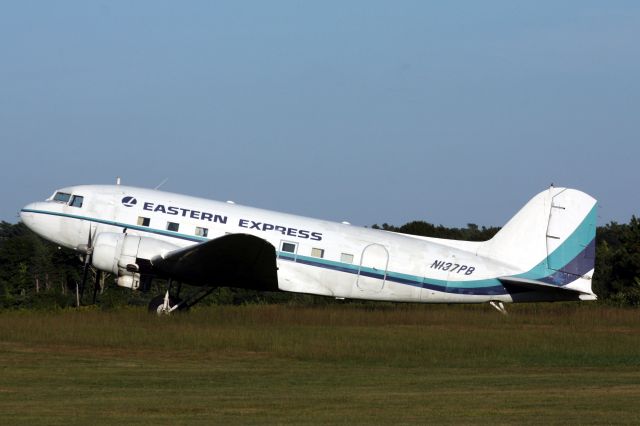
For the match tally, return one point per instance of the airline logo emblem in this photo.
(129, 201)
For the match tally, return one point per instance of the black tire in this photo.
(158, 301)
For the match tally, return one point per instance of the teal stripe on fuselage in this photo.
(172, 234)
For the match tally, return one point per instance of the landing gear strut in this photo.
(166, 304)
(500, 307)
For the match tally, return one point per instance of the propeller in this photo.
(87, 263)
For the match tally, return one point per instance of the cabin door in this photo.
(372, 272)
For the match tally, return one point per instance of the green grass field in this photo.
(345, 364)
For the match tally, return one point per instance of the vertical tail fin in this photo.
(550, 240)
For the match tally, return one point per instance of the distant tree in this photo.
(30, 267)
(617, 274)
(426, 229)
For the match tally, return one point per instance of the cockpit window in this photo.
(61, 197)
(76, 201)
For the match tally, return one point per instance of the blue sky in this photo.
(450, 112)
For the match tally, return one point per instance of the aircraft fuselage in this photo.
(313, 256)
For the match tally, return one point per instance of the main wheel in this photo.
(156, 306)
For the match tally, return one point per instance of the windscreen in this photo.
(62, 197)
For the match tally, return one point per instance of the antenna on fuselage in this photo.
(117, 180)
(162, 183)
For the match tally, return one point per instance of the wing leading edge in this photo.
(238, 260)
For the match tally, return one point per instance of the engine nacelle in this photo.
(120, 254)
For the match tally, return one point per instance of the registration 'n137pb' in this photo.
(454, 268)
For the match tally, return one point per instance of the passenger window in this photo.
(202, 232)
(61, 197)
(317, 252)
(346, 258)
(172, 226)
(76, 201)
(288, 247)
(143, 221)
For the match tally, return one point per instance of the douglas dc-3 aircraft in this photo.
(544, 253)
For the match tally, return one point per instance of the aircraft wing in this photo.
(238, 260)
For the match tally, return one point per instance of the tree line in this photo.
(35, 273)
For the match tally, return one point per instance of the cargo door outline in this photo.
(372, 271)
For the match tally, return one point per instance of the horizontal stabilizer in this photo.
(537, 285)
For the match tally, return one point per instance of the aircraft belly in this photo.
(300, 278)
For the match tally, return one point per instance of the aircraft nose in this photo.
(27, 213)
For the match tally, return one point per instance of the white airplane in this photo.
(546, 252)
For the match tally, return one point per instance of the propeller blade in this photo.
(87, 262)
(85, 273)
(96, 285)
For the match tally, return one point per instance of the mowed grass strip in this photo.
(333, 364)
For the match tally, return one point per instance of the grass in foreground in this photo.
(335, 364)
